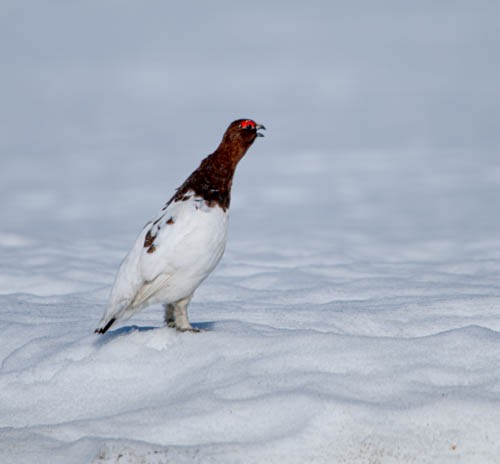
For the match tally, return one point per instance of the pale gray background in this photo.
(383, 117)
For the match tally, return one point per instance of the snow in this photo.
(354, 316)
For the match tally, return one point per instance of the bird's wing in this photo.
(165, 240)
(149, 289)
(157, 254)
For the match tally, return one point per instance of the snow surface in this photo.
(355, 315)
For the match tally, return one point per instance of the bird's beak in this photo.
(260, 126)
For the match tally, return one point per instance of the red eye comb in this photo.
(248, 123)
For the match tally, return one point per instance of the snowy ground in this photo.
(355, 317)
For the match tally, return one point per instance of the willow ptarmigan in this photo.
(179, 249)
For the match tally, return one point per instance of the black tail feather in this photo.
(104, 329)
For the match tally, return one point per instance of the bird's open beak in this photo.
(260, 126)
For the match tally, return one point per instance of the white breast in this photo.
(187, 249)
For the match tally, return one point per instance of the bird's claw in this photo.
(188, 329)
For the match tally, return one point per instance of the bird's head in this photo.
(243, 132)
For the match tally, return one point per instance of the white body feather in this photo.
(190, 238)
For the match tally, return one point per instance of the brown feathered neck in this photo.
(214, 177)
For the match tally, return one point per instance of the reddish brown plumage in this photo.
(213, 179)
(148, 242)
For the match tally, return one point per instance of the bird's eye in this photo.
(248, 124)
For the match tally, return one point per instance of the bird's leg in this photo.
(169, 314)
(180, 314)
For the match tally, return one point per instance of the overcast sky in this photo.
(106, 106)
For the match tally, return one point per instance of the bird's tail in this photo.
(104, 328)
(114, 313)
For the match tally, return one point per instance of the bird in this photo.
(175, 252)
